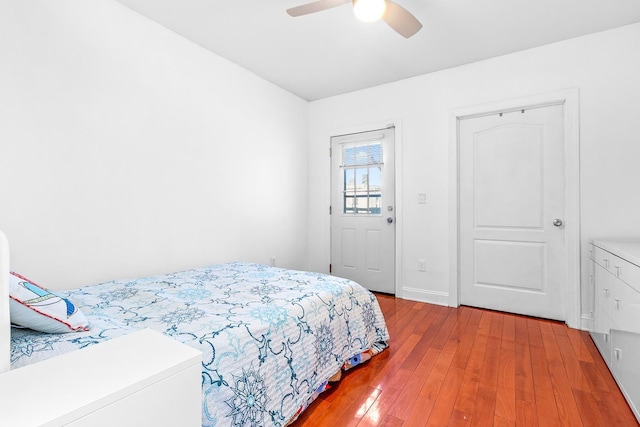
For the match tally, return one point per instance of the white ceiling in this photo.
(330, 52)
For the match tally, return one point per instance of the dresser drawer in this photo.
(626, 271)
(624, 307)
(625, 348)
(604, 282)
(602, 257)
(601, 333)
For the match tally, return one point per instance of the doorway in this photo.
(363, 208)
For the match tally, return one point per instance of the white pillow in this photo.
(32, 306)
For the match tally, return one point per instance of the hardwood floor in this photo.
(467, 366)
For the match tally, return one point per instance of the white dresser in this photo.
(616, 328)
(140, 379)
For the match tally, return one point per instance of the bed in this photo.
(271, 339)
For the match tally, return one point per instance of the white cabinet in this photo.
(140, 379)
(616, 326)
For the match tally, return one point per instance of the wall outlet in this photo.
(422, 198)
(272, 261)
(422, 265)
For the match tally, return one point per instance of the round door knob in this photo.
(557, 222)
(389, 220)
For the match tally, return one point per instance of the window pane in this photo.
(374, 204)
(349, 191)
(375, 190)
(362, 190)
(349, 205)
(362, 179)
(375, 178)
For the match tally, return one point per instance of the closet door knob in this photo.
(557, 222)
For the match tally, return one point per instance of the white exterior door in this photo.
(512, 240)
(363, 209)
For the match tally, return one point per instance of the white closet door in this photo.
(512, 238)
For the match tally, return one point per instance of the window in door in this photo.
(362, 178)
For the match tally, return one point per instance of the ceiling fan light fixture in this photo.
(369, 10)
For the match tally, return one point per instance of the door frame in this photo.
(397, 180)
(569, 98)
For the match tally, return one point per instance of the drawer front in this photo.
(603, 283)
(602, 334)
(625, 348)
(625, 271)
(624, 307)
(603, 258)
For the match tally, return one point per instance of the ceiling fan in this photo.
(398, 18)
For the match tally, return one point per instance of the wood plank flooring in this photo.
(467, 366)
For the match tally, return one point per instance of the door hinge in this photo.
(329, 268)
(330, 210)
(329, 151)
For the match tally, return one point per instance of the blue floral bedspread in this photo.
(271, 338)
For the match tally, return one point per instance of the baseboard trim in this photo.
(421, 295)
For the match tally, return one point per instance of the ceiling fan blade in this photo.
(315, 6)
(401, 20)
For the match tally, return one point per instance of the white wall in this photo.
(604, 67)
(127, 150)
